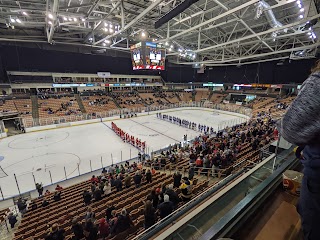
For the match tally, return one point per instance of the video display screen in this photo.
(147, 55)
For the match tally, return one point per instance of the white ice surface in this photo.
(45, 152)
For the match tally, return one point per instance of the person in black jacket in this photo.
(87, 197)
(148, 176)
(57, 196)
(97, 194)
(56, 233)
(77, 229)
(90, 230)
(177, 179)
(166, 207)
(118, 183)
(22, 206)
(12, 219)
(149, 215)
(124, 222)
(154, 198)
(137, 179)
(173, 196)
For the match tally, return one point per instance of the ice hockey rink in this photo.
(51, 155)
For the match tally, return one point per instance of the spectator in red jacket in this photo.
(104, 228)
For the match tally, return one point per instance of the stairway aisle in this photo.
(80, 103)
(35, 109)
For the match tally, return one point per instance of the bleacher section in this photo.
(58, 106)
(186, 96)
(7, 106)
(24, 107)
(96, 104)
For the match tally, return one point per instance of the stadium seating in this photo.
(96, 104)
(24, 107)
(8, 106)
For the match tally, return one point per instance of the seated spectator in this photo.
(186, 189)
(33, 205)
(93, 186)
(149, 214)
(109, 210)
(87, 197)
(104, 229)
(58, 188)
(118, 183)
(137, 179)
(57, 196)
(173, 196)
(107, 188)
(97, 194)
(90, 214)
(47, 192)
(55, 233)
(77, 229)
(166, 207)
(90, 230)
(12, 219)
(177, 179)
(94, 179)
(44, 203)
(127, 181)
(148, 176)
(124, 222)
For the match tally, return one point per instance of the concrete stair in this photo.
(35, 108)
(80, 103)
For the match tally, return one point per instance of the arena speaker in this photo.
(174, 12)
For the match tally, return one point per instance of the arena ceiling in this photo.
(210, 32)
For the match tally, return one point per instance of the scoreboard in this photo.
(148, 55)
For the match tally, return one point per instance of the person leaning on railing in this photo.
(301, 126)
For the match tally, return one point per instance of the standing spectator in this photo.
(109, 210)
(90, 230)
(154, 198)
(39, 188)
(137, 179)
(166, 207)
(191, 171)
(97, 194)
(107, 188)
(177, 179)
(90, 214)
(87, 197)
(173, 196)
(22, 206)
(77, 229)
(118, 183)
(12, 219)
(124, 222)
(104, 229)
(55, 233)
(186, 189)
(127, 181)
(148, 176)
(300, 125)
(149, 214)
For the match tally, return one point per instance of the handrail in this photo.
(245, 206)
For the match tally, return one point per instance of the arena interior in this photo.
(151, 119)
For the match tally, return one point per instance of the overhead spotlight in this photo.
(65, 18)
(24, 13)
(309, 33)
(90, 39)
(50, 23)
(107, 41)
(166, 44)
(105, 29)
(75, 19)
(18, 20)
(169, 49)
(70, 19)
(50, 16)
(171, 46)
(300, 16)
(104, 44)
(111, 30)
(143, 34)
(111, 25)
(301, 9)
(12, 20)
(106, 24)
(83, 19)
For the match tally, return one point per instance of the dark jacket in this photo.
(176, 180)
(149, 177)
(123, 223)
(165, 209)
(173, 196)
(137, 179)
(149, 218)
(87, 197)
(77, 230)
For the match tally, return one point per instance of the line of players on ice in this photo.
(187, 124)
(136, 142)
